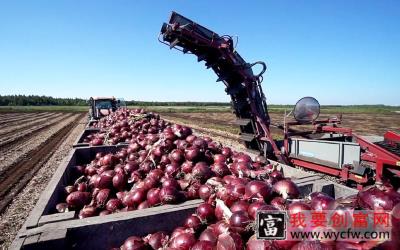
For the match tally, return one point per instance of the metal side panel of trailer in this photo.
(44, 212)
(333, 154)
(64, 175)
(105, 232)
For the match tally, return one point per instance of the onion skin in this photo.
(239, 206)
(230, 241)
(169, 195)
(153, 197)
(183, 241)
(311, 245)
(193, 222)
(287, 189)
(254, 244)
(133, 243)
(374, 199)
(321, 201)
(203, 245)
(258, 190)
(205, 212)
(209, 235)
(78, 199)
(113, 204)
(62, 207)
(157, 240)
(298, 207)
(205, 191)
(88, 211)
(239, 221)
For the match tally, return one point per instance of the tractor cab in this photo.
(102, 106)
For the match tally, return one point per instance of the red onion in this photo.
(240, 169)
(311, 245)
(220, 169)
(201, 171)
(150, 182)
(226, 151)
(104, 212)
(169, 195)
(104, 181)
(254, 244)
(131, 166)
(200, 143)
(62, 207)
(70, 189)
(133, 243)
(193, 222)
(258, 190)
(87, 211)
(172, 170)
(219, 158)
(287, 189)
(113, 204)
(298, 207)
(190, 139)
(143, 205)
(187, 167)
(183, 241)
(102, 197)
(285, 244)
(119, 182)
(321, 201)
(374, 199)
(192, 154)
(177, 156)
(193, 190)
(157, 240)
(221, 227)
(243, 158)
(205, 192)
(177, 231)
(230, 241)
(153, 197)
(239, 206)
(78, 199)
(170, 182)
(239, 221)
(209, 235)
(279, 203)
(253, 207)
(202, 245)
(205, 212)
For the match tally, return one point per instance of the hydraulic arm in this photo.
(244, 87)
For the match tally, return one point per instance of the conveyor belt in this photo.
(242, 85)
(393, 148)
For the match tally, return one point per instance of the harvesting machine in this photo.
(324, 145)
(101, 106)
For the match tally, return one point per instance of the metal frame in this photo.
(249, 104)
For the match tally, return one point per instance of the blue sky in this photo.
(341, 52)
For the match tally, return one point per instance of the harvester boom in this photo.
(244, 87)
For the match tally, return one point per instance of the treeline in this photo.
(35, 100)
(142, 103)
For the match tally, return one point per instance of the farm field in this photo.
(361, 123)
(28, 142)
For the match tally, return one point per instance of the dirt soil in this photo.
(65, 129)
(363, 124)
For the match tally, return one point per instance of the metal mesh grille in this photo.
(306, 110)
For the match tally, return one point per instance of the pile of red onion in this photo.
(226, 219)
(166, 164)
(124, 125)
